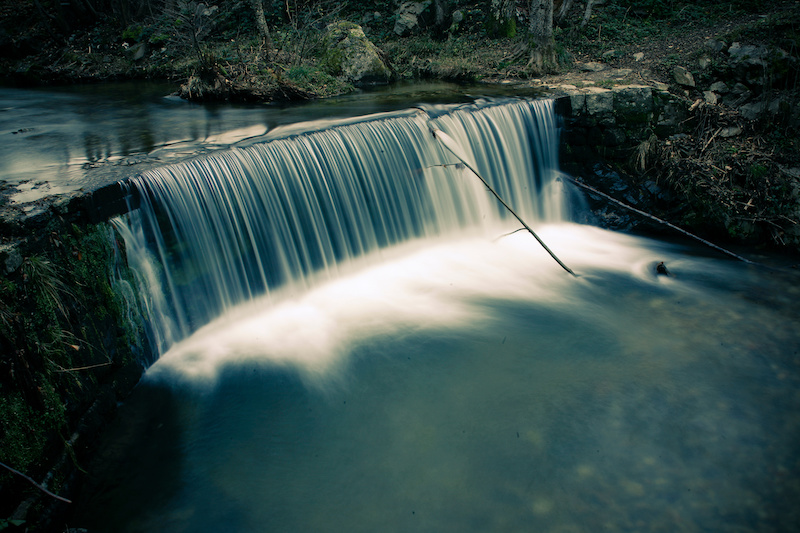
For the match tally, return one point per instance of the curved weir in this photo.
(354, 337)
(217, 231)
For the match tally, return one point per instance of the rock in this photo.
(683, 76)
(715, 45)
(137, 51)
(719, 87)
(671, 114)
(652, 187)
(740, 88)
(633, 104)
(10, 258)
(747, 55)
(730, 131)
(599, 101)
(621, 73)
(704, 62)
(350, 55)
(369, 18)
(638, 56)
(577, 103)
(613, 137)
(407, 17)
(759, 65)
(779, 106)
(753, 110)
(591, 66)
(710, 97)
(738, 95)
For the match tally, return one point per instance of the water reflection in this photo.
(86, 136)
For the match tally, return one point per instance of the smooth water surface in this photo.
(56, 140)
(472, 385)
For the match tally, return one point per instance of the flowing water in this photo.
(354, 337)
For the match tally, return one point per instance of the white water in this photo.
(284, 215)
(441, 285)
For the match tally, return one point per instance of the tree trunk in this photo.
(563, 9)
(261, 22)
(588, 13)
(542, 43)
(502, 22)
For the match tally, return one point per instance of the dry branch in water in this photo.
(447, 141)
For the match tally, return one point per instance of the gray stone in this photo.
(779, 106)
(350, 55)
(710, 97)
(407, 17)
(591, 66)
(730, 131)
(740, 88)
(715, 45)
(638, 56)
(738, 95)
(704, 62)
(719, 87)
(10, 258)
(747, 55)
(137, 51)
(599, 101)
(577, 102)
(633, 103)
(369, 18)
(683, 76)
(753, 110)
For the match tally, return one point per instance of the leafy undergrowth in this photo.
(734, 178)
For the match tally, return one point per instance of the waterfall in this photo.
(217, 231)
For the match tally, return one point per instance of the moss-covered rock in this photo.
(350, 55)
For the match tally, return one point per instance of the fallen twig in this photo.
(709, 140)
(652, 217)
(41, 488)
(446, 140)
(76, 369)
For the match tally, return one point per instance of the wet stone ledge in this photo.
(610, 123)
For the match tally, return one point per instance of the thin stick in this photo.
(41, 488)
(76, 369)
(652, 217)
(440, 135)
(709, 141)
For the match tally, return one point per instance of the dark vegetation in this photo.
(69, 349)
(60, 337)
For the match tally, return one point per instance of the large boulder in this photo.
(349, 54)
